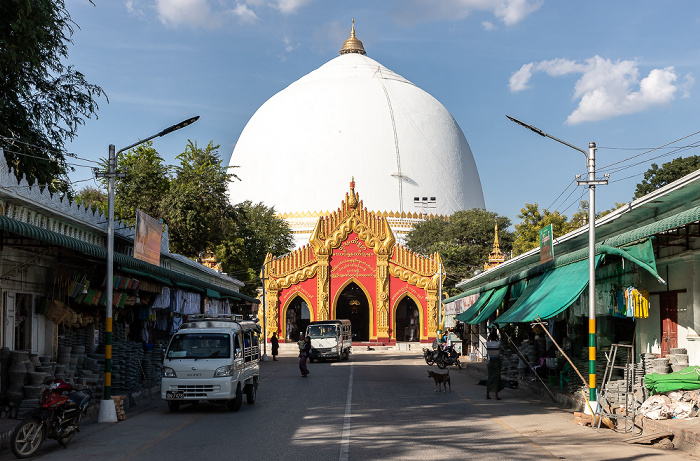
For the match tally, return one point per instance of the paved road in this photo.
(378, 406)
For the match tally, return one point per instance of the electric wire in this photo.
(69, 154)
(647, 151)
(47, 159)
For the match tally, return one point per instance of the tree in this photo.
(656, 177)
(145, 185)
(464, 241)
(42, 100)
(256, 232)
(196, 206)
(92, 197)
(527, 233)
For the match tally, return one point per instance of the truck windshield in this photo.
(321, 331)
(200, 346)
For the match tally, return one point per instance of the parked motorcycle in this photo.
(447, 356)
(57, 417)
(428, 356)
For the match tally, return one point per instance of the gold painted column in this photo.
(382, 296)
(432, 312)
(323, 287)
(273, 311)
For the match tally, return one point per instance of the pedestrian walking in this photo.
(493, 350)
(275, 346)
(303, 355)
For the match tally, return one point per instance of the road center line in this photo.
(345, 442)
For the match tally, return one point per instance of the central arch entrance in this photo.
(407, 320)
(353, 305)
(297, 319)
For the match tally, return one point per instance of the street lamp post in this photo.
(591, 183)
(108, 412)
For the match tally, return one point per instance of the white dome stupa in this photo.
(353, 117)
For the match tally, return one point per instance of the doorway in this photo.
(353, 305)
(407, 317)
(668, 302)
(297, 319)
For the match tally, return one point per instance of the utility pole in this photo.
(108, 412)
(591, 182)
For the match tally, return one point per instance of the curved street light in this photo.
(108, 413)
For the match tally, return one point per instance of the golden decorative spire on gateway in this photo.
(352, 45)
(352, 199)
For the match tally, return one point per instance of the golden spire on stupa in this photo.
(352, 45)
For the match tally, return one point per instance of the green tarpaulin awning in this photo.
(557, 289)
(491, 306)
(138, 273)
(474, 308)
(213, 294)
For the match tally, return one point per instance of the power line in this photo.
(46, 158)
(69, 154)
(648, 151)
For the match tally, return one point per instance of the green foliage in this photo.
(256, 232)
(196, 207)
(656, 177)
(145, 185)
(527, 233)
(464, 241)
(92, 197)
(42, 101)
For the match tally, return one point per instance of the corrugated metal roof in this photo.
(54, 238)
(669, 207)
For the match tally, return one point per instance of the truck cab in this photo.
(213, 358)
(330, 339)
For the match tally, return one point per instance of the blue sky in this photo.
(621, 74)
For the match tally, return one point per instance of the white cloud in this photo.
(213, 13)
(518, 81)
(513, 11)
(288, 46)
(193, 13)
(133, 9)
(244, 13)
(290, 6)
(607, 89)
(507, 11)
(488, 26)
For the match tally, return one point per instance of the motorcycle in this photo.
(57, 417)
(447, 356)
(428, 356)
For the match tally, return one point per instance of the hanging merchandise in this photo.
(163, 299)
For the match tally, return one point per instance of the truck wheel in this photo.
(173, 406)
(311, 360)
(251, 392)
(235, 404)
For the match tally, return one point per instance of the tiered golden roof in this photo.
(496, 256)
(352, 45)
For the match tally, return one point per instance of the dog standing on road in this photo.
(440, 379)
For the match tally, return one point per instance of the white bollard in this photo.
(108, 412)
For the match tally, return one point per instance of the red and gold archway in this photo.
(353, 245)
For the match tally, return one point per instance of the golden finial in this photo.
(352, 199)
(352, 45)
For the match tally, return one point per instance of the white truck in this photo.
(213, 358)
(330, 339)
